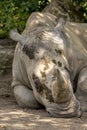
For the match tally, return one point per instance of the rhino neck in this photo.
(62, 89)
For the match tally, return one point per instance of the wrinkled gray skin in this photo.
(50, 65)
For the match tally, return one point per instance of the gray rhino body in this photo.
(50, 66)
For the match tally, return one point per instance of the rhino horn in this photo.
(61, 89)
(60, 25)
(14, 35)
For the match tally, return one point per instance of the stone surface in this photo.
(6, 57)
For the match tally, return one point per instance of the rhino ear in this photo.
(14, 35)
(60, 25)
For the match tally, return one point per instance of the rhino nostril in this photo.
(59, 64)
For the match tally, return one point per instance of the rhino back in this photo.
(80, 31)
(77, 36)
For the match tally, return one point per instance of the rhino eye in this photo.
(29, 51)
(59, 64)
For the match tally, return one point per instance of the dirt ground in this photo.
(12, 117)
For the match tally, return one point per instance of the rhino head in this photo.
(51, 74)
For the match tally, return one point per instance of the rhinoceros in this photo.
(50, 65)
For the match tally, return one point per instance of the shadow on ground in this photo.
(12, 117)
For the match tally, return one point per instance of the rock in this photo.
(6, 56)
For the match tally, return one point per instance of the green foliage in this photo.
(14, 13)
(81, 5)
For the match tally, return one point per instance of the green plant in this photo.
(14, 13)
(81, 5)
